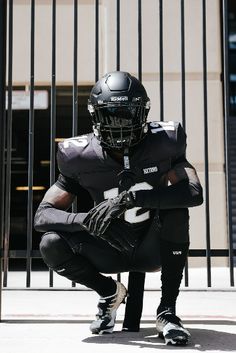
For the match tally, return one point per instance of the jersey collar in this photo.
(139, 154)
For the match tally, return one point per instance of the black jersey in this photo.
(83, 162)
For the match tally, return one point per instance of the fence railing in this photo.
(6, 128)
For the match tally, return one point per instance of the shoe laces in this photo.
(106, 304)
(167, 316)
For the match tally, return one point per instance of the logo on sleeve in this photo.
(150, 170)
(177, 252)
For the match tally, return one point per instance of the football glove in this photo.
(99, 217)
(119, 235)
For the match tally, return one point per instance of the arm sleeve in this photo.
(183, 194)
(49, 218)
(68, 184)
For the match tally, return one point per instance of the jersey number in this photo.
(80, 141)
(156, 127)
(132, 215)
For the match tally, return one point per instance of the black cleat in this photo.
(170, 327)
(106, 316)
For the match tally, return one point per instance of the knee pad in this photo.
(54, 249)
(175, 225)
(57, 254)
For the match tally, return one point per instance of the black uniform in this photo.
(154, 233)
(84, 163)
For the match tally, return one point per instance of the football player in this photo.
(142, 186)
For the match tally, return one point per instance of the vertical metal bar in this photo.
(30, 149)
(75, 89)
(208, 246)
(3, 16)
(161, 60)
(96, 40)
(183, 64)
(75, 72)
(225, 48)
(182, 16)
(118, 59)
(140, 40)
(9, 147)
(118, 35)
(53, 98)
(136, 280)
(53, 111)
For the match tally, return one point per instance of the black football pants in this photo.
(83, 258)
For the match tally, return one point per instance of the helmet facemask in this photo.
(120, 125)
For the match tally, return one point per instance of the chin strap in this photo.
(126, 177)
(126, 159)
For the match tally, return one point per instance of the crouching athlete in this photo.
(142, 186)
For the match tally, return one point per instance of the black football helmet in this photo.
(119, 107)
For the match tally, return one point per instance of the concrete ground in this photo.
(39, 320)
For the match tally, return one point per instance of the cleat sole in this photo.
(175, 338)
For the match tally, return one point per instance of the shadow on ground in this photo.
(202, 339)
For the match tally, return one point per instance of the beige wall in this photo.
(172, 75)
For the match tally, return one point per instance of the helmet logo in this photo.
(119, 99)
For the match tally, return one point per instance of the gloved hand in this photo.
(99, 217)
(119, 235)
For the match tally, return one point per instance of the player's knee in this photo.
(59, 257)
(54, 249)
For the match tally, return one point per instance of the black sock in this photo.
(173, 259)
(78, 269)
(106, 286)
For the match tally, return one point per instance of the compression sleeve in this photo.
(68, 184)
(49, 218)
(183, 194)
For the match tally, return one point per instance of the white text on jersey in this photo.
(150, 170)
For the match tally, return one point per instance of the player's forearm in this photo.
(183, 194)
(49, 218)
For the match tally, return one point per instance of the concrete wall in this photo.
(129, 50)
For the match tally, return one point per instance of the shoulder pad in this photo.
(173, 131)
(76, 142)
(158, 126)
(69, 151)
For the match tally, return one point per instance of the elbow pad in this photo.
(49, 218)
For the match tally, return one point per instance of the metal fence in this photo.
(6, 25)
